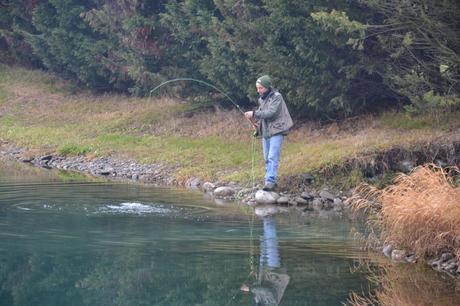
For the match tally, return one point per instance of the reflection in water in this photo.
(406, 284)
(272, 279)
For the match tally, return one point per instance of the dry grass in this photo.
(419, 212)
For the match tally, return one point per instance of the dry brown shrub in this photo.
(419, 212)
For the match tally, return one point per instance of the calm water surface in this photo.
(65, 240)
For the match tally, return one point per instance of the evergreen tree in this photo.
(67, 45)
(15, 21)
(413, 47)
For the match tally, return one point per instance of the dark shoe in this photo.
(269, 186)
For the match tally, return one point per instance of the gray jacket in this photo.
(273, 115)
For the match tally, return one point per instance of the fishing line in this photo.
(253, 161)
(202, 82)
(207, 84)
(232, 101)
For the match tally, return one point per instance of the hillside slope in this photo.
(40, 112)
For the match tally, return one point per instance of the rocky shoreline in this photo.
(322, 204)
(447, 262)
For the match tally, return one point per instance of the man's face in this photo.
(260, 89)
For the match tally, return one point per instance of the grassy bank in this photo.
(40, 112)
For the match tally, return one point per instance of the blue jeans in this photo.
(272, 151)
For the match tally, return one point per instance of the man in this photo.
(274, 123)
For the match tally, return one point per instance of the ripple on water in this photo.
(133, 208)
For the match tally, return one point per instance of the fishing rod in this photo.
(254, 125)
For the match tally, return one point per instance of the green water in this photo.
(66, 240)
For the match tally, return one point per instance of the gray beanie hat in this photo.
(265, 81)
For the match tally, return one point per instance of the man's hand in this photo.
(249, 114)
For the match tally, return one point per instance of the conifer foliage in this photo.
(328, 58)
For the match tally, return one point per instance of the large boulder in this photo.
(266, 197)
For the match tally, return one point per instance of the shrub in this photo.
(419, 212)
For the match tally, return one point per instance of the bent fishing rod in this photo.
(254, 125)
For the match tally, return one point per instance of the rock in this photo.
(387, 249)
(135, 176)
(446, 256)
(208, 187)
(435, 263)
(441, 163)
(411, 258)
(338, 204)
(193, 183)
(306, 195)
(405, 166)
(266, 197)
(451, 267)
(27, 159)
(317, 204)
(458, 270)
(327, 195)
(283, 200)
(105, 171)
(327, 205)
(224, 191)
(301, 201)
(398, 255)
(46, 158)
(308, 178)
(292, 202)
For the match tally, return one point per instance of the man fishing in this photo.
(274, 123)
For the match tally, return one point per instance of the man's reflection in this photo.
(272, 279)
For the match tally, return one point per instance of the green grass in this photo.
(4, 95)
(73, 149)
(35, 78)
(407, 121)
(39, 111)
